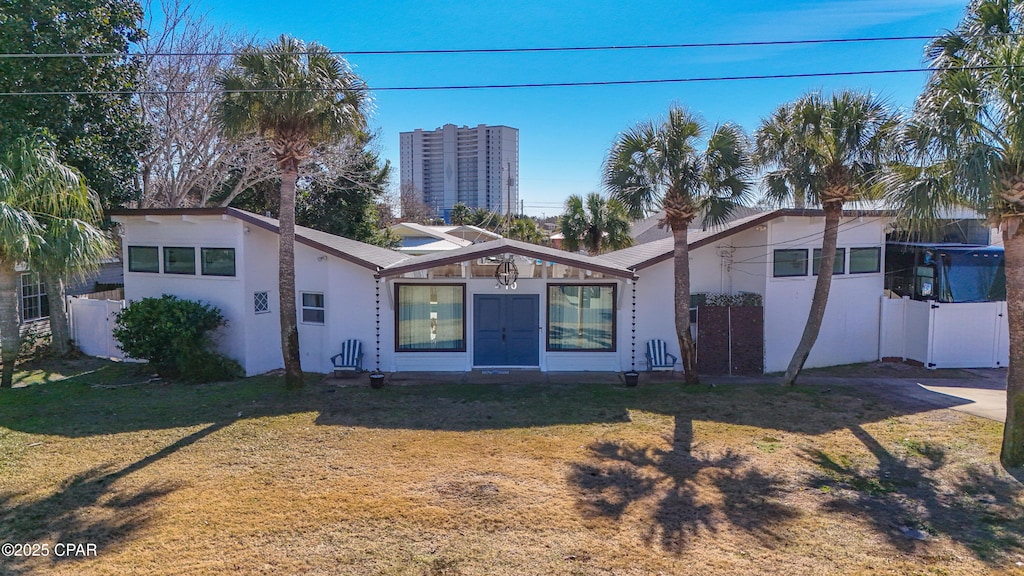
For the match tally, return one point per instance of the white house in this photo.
(500, 303)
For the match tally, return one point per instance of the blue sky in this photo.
(565, 132)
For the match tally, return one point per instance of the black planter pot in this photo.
(632, 378)
(376, 379)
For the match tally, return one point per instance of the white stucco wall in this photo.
(226, 293)
(850, 329)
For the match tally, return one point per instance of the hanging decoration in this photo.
(632, 352)
(506, 273)
(378, 324)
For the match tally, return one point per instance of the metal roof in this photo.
(644, 255)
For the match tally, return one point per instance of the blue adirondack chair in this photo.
(658, 357)
(351, 357)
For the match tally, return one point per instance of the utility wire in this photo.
(508, 50)
(523, 85)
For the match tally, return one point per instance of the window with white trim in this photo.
(313, 309)
(261, 302)
(35, 304)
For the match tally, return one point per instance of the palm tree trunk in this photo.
(833, 214)
(10, 329)
(1012, 454)
(60, 334)
(286, 282)
(681, 261)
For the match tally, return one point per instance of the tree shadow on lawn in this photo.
(85, 509)
(692, 493)
(902, 498)
(614, 477)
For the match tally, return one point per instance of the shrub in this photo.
(173, 334)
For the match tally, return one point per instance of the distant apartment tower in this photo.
(478, 167)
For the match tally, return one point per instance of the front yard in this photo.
(247, 477)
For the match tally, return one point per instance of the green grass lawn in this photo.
(523, 478)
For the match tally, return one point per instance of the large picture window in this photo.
(179, 260)
(789, 263)
(143, 259)
(865, 260)
(430, 318)
(581, 317)
(218, 261)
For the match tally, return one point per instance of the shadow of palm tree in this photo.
(85, 509)
(620, 476)
(908, 506)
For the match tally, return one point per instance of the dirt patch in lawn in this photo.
(505, 479)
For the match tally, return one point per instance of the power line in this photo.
(525, 85)
(754, 43)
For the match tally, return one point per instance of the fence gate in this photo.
(956, 335)
(92, 325)
(730, 340)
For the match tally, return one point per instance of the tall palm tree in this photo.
(72, 248)
(594, 223)
(460, 214)
(36, 191)
(972, 112)
(830, 150)
(660, 165)
(297, 96)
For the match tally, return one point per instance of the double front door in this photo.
(506, 330)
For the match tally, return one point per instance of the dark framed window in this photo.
(179, 260)
(313, 308)
(789, 263)
(217, 261)
(260, 302)
(838, 268)
(35, 304)
(865, 260)
(430, 317)
(144, 259)
(581, 318)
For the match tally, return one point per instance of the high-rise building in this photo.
(478, 167)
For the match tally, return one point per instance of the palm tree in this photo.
(524, 229)
(460, 214)
(297, 97)
(972, 115)
(829, 149)
(71, 248)
(659, 164)
(597, 224)
(36, 191)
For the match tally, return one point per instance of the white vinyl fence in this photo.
(961, 335)
(92, 324)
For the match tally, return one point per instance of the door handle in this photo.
(503, 334)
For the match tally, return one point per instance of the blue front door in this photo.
(506, 330)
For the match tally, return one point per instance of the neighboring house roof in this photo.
(365, 255)
(644, 255)
(471, 233)
(422, 239)
(504, 246)
(648, 230)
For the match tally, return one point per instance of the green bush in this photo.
(173, 334)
